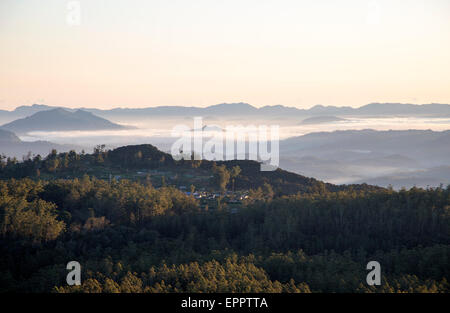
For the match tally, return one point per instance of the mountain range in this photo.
(245, 109)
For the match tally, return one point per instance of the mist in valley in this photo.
(385, 151)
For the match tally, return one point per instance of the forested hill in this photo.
(129, 236)
(146, 162)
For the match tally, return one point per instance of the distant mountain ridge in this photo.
(403, 158)
(245, 109)
(12, 146)
(60, 120)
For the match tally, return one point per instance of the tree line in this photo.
(132, 237)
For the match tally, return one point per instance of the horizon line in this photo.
(222, 103)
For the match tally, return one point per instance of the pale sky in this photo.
(131, 53)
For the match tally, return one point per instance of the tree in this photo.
(36, 221)
(267, 191)
(235, 171)
(221, 177)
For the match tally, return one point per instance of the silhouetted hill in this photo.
(321, 120)
(240, 108)
(139, 156)
(60, 120)
(147, 156)
(8, 137)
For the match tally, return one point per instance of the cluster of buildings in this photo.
(210, 199)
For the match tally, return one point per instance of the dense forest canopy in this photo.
(141, 233)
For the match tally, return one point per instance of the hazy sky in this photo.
(202, 52)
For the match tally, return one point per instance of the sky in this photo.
(117, 53)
